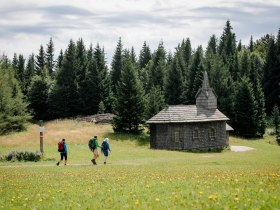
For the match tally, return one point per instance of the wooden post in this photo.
(41, 129)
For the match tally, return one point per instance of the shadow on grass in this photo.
(207, 150)
(141, 139)
(247, 138)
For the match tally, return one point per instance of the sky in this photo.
(27, 24)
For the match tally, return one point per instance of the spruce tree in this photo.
(29, 73)
(40, 60)
(15, 62)
(96, 87)
(174, 84)
(211, 55)
(245, 67)
(144, 76)
(181, 61)
(133, 56)
(256, 68)
(90, 53)
(262, 45)
(13, 109)
(212, 46)
(272, 74)
(227, 50)
(64, 98)
(103, 79)
(227, 45)
(81, 57)
(50, 63)
(116, 66)
(157, 74)
(169, 59)
(38, 95)
(221, 81)
(187, 52)
(239, 46)
(251, 44)
(129, 106)
(59, 60)
(4, 62)
(155, 102)
(20, 71)
(196, 75)
(245, 109)
(89, 92)
(18, 65)
(158, 70)
(144, 56)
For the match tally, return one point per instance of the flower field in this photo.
(135, 176)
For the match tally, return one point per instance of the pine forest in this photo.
(80, 82)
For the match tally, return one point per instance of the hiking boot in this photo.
(57, 163)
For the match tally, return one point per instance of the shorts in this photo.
(95, 152)
(106, 153)
(63, 155)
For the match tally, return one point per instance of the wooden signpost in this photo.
(41, 129)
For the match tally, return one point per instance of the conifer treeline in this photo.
(79, 82)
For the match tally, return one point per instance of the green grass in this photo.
(136, 177)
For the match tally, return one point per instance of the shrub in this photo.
(23, 156)
(2, 158)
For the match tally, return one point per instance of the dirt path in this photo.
(240, 148)
(45, 165)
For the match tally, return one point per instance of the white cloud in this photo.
(25, 25)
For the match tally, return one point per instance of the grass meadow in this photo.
(136, 177)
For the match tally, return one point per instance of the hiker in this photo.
(62, 148)
(105, 149)
(93, 144)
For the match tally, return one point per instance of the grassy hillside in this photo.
(136, 177)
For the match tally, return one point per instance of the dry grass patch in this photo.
(74, 132)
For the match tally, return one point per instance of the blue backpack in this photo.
(105, 146)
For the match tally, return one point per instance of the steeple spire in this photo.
(206, 96)
(205, 83)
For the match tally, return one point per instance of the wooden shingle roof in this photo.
(228, 127)
(186, 114)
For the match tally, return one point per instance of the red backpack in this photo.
(60, 146)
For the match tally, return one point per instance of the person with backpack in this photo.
(93, 145)
(105, 149)
(62, 148)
